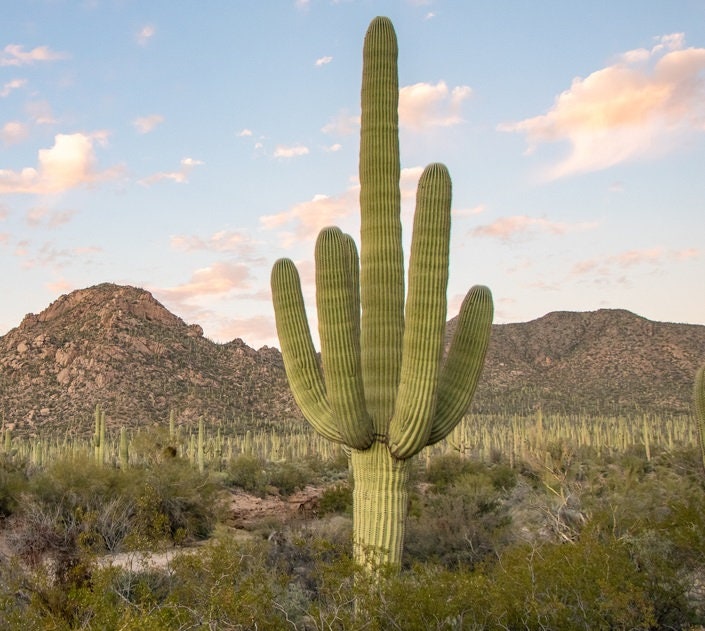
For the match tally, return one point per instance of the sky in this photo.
(183, 147)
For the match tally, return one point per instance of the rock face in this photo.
(118, 346)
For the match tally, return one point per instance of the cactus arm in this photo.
(339, 329)
(300, 363)
(426, 306)
(461, 371)
(699, 401)
(382, 261)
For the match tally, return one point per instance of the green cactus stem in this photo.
(387, 393)
(699, 401)
(124, 449)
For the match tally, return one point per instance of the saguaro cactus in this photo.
(699, 400)
(386, 393)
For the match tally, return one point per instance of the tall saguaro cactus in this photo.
(699, 401)
(383, 389)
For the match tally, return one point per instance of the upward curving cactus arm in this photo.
(425, 314)
(462, 368)
(339, 328)
(300, 362)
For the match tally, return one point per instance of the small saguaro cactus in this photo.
(699, 401)
(387, 393)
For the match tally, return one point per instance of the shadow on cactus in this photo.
(387, 391)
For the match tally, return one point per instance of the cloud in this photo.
(642, 106)
(12, 85)
(334, 147)
(51, 257)
(13, 132)
(424, 105)
(222, 241)
(15, 55)
(40, 113)
(245, 133)
(322, 61)
(343, 124)
(283, 151)
(145, 34)
(509, 228)
(180, 176)
(39, 215)
(302, 5)
(219, 278)
(656, 256)
(305, 219)
(145, 124)
(70, 163)
(258, 330)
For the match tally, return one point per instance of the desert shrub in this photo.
(247, 473)
(337, 498)
(13, 481)
(288, 477)
(463, 521)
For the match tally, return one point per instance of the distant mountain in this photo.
(117, 346)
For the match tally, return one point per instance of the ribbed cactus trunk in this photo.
(386, 393)
(699, 401)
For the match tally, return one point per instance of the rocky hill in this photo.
(119, 347)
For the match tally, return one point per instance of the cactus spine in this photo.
(699, 400)
(386, 393)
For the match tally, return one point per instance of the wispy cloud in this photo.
(245, 133)
(16, 55)
(145, 34)
(656, 256)
(221, 241)
(518, 226)
(294, 151)
(343, 124)
(42, 216)
(424, 105)
(13, 132)
(145, 124)
(11, 86)
(70, 163)
(180, 176)
(219, 278)
(643, 105)
(323, 61)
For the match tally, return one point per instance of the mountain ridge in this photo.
(118, 346)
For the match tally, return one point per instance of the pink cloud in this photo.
(16, 55)
(425, 105)
(221, 241)
(219, 278)
(145, 124)
(642, 106)
(632, 258)
(508, 228)
(13, 132)
(70, 163)
(180, 176)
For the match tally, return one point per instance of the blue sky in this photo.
(182, 147)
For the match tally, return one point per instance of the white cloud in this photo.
(644, 105)
(424, 105)
(180, 176)
(12, 85)
(245, 133)
(322, 61)
(70, 163)
(15, 55)
(283, 151)
(145, 34)
(145, 124)
(13, 132)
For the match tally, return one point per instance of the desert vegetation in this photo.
(549, 527)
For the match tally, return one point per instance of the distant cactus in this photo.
(386, 393)
(699, 400)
